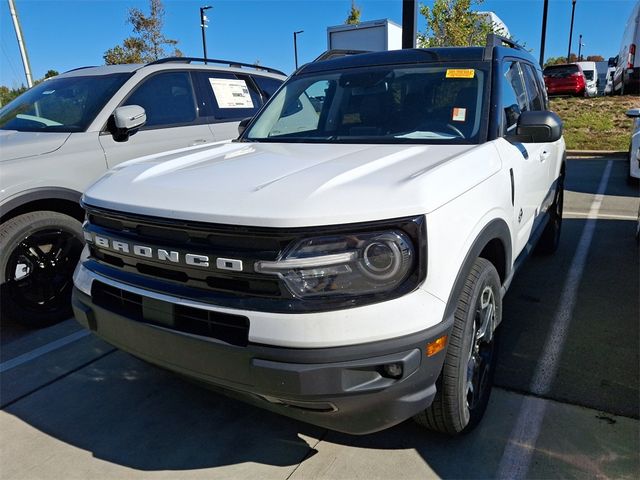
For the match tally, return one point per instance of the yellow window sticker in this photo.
(461, 73)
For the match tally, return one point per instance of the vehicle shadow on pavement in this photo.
(132, 414)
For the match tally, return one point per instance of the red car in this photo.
(565, 79)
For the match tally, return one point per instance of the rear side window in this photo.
(514, 96)
(533, 92)
(167, 99)
(227, 96)
(268, 85)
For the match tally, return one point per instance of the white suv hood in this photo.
(290, 185)
(14, 144)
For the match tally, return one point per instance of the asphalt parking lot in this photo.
(566, 405)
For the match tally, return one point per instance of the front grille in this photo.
(248, 245)
(232, 329)
(242, 288)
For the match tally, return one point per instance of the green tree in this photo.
(7, 94)
(595, 58)
(559, 60)
(354, 14)
(451, 23)
(148, 42)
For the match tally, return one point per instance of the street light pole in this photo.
(295, 45)
(543, 37)
(573, 11)
(203, 24)
(580, 49)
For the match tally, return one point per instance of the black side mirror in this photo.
(539, 127)
(243, 125)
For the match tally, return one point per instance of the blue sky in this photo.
(65, 34)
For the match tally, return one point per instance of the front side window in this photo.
(385, 104)
(167, 99)
(514, 95)
(66, 104)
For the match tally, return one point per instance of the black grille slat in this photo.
(232, 329)
(215, 241)
(119, 301)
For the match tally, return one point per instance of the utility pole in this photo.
(580, 45)
(573, 11)
(544, 31)
(409, 23)
(203, 23)
(23, 50)
(295, 45)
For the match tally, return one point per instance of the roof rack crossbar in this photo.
(217, 61)
(494, 40)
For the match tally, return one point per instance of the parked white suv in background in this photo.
(61, 135)
(344, 261)
(590, 73)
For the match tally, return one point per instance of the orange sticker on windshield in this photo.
(461, 73)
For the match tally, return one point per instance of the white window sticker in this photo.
(231, 93)
(459, 114)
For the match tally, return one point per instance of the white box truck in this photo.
(371, 36)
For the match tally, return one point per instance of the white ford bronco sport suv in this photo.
(60, 136)
(344, 261)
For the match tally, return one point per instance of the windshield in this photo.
(61, 104)
(588, 74)
(386, 104)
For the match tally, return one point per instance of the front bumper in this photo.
(341, 388)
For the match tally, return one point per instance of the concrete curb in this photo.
(596, 153)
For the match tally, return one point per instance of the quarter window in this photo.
(268, 85)
(167, 99)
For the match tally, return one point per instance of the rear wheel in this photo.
(38, 253)
(550, 238)
(465, 382)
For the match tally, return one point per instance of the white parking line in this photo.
(522, 441)
(38, 352)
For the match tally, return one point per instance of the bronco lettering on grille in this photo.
(163, 255)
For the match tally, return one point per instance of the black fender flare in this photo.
(495, 229)
(40, 193)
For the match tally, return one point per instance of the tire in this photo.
(460, 401)
(550, 238)
(38, 253)
(632, 181)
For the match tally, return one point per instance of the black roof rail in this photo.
(213, 60)
(494, 40)
(335, 53)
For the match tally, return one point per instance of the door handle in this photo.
(544, 155)
(199, 141)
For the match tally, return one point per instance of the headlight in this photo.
(345, 264)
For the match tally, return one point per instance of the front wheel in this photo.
(38, 253)
(465, 382)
